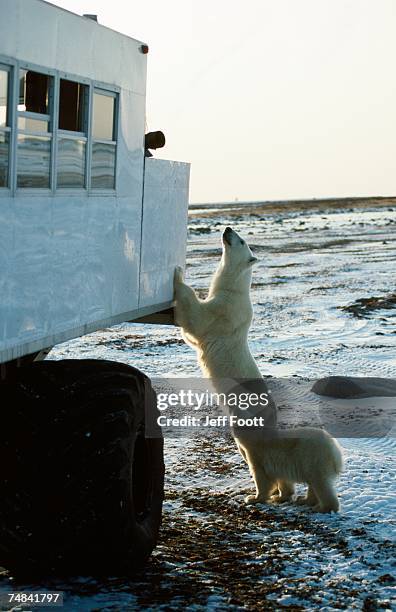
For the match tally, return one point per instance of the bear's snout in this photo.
(227, 235)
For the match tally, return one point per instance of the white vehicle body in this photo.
(90, 229)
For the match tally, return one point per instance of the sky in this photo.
(269, 99)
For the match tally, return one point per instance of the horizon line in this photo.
(289, 201)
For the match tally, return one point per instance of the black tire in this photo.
(81, 488)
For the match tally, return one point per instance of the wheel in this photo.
(81, 487)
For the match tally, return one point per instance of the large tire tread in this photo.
(81, 487)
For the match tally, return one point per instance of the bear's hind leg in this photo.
(308, 500)
(286, 491)
(326, 495)
(275, 493)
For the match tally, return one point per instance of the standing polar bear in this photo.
(218, 329)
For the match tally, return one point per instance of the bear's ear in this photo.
(252, 260)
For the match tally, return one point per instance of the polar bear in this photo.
(217, 328)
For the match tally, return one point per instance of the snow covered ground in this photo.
(215, 553)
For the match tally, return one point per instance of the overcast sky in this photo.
(269, 99)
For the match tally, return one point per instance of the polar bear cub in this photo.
(217, 328)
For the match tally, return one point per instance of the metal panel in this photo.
(27, 311)
(66, 263)
(164, 228)
(15, 351)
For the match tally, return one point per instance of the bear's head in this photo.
(234, 272)
(236, 252)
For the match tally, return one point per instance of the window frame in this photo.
(84, 83)
(6, 66)
(35, 116)
(114, 93)
(14, 66)
(61, 134)
(50, 117)
(68, 135)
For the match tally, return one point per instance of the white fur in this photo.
(218, 329)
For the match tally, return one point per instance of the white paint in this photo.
(164, 223)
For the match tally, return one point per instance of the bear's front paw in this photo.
(253, 499)
(178, 274)
(281, 499)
